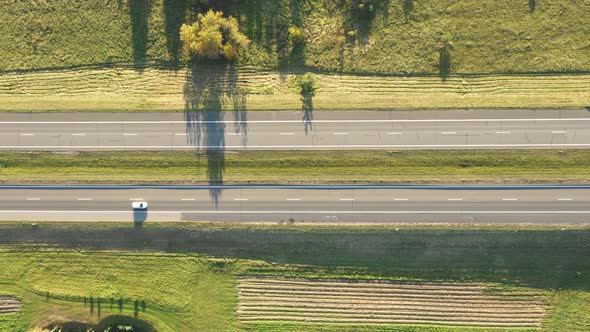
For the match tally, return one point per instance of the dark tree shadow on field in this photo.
(139, 11)
(361, 18)
(532, 6)
(307, 109)
(408, 7)
(174, 17)
(444, 63)
(207, 88)
(112, 323)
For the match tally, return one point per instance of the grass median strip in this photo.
(455, 166)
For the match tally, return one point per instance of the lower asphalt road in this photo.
(432, 204)
(477, 129)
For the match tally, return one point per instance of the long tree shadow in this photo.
(206, 90)
(444, 63)
(174, 17)
(532, 6)
(408, 6)
(307, 109)
(139, 11)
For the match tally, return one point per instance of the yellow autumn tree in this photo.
(213, 36)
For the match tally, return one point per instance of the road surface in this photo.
(433, 204)
(296, 130)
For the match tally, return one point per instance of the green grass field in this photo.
(185, 273)
(484, 166)
(124, 56)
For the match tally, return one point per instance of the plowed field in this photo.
(9, 304)
(385, 302)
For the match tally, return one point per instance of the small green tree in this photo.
(213, 36)
(307, 83)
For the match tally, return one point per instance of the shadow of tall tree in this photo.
(307, 109)
(174, 17)
(408, 6)
(207, 89)
(444, 64)
(139, 12)
(532, 6)
(444, 60)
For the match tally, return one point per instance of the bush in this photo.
(213, 36)
(307, 83)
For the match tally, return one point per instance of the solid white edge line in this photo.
(454, 199)
(240, 199)
(313, 212)
(188, 199)
(83, 199)
(293, 199)
(347, 199)
(565, 199)
(376, 146)
(510, 199)
(400, 199)
(33, 199)
(299, 121)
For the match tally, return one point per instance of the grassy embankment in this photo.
(485, 166)
(123, 56)
(185, 274)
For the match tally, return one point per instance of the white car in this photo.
(139, 205)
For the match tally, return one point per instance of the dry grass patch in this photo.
(9, 304)
(386, 302)
(161, 89)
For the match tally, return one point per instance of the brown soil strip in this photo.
(9, 304)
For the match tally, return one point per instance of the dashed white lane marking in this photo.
(293, 199)
(80, 134)
(394, 133)
(510, 199)
(234, 134)
(339, 133)
(180, 134)
(454, 199)
(136, 199)
(27, 134)
(347, 199)
(565, 199)
(400, 199)
(126, 134)
(502, 132)
(286, 134)
(33, 199)
(240, 199)
(84, 199)
(559, 132)
(187, 199)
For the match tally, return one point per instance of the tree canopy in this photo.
(213, 36)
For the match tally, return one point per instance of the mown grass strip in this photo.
(125, 89)
(455, 166)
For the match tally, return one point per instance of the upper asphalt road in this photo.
(453, 204)
(296, 130)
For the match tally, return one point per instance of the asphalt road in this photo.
(296, 130)
(430, 204)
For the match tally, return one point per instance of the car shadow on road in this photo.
(139, 217)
